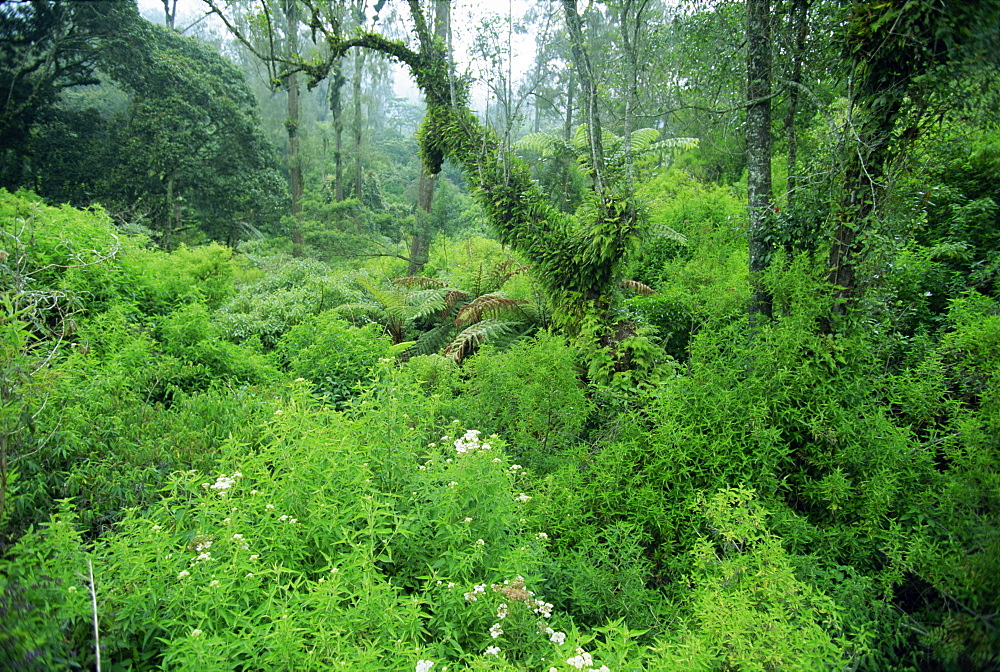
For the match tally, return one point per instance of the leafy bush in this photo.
(532, 395)
(334, 354)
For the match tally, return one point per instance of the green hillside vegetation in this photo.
(579, 433)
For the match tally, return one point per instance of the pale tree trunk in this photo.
(589, 91)
(292, 124)
(630, 25)
(359, 62)
(420, 243)
(568, 136)
(169, 13)
(799, 27)
(760, 205)
(337, 111)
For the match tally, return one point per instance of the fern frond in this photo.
(674, 143)
(452, 299)
(643, 139)
(418, 281)
(637, 287)
(500, 273)
(432, 341)
(488, 304)
(475, 335)
(543, 144)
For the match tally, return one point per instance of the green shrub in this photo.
(334, 354)
(531, 394)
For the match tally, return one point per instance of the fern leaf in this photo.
(637, 287)
(418, 281)
(475, 335)
(543, 144)
(486, 305)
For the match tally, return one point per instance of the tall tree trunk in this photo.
(758, 137)
(359, 62)
(292, 124)
(589, 91)
(169, 13)
(420, 243)
(337, 111)
(568, 136)
(630, 25)
(798, 26)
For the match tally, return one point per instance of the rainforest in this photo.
(424, 335)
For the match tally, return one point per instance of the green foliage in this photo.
(276, 293)
(748, 611)
(186, 275)
(335, 355)
(532, 394)
(45, 598)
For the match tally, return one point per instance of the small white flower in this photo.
(237, 537)
(213, 584)
(554, 636)
(249, 575)
(334, 570)
(196, 632)
(300, 380)
(515, 467)
(502, 611)
(468, 520)
(293, 520)
(480, 542)
(424, 666)
(156, 528)
(542, 535)
(453, 484)
(255, 556)
(495, 630)
(269, 506)
(278, 412)
(183, 573)
(523, 498)
(451, 584)
(283, 517)
(492, 651)
(226, 521)
(71, 589)
(254, 492)
(497, 459)
(204, 556)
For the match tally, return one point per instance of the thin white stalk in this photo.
(93, 602)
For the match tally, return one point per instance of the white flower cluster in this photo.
(476, 590)
(543, 608)
(492, 651)
(502, 611)
(582, 659)
(424, 665)
(554, 636)
(495, 630)
(223, 482)
(468, 443)
(523, 498)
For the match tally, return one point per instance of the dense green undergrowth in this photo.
(261, 478)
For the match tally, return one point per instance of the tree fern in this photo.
(474, 335)
(488, 304)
